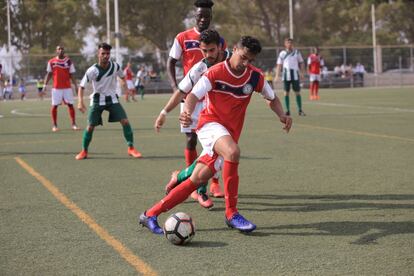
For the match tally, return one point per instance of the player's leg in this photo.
(94, 119)
(316, 93)
(296, 89)
(68, 98)
(177, 195)
(226, 147)
(142, 91)
(57, 98)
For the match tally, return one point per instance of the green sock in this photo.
(287, 103)
(142, 93)
(86, 139)
(299, 101)
(128, 134)
(186, 173)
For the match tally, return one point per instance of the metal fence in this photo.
(396, 64)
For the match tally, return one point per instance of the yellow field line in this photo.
(127, 254)
(359, 133)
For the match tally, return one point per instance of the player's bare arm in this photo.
(171, 72)
(190, 103)
(81, 105)
(74, 82)
(47, 79)
(175, 99)
(302, 71)
(278, 69)
(277, 108)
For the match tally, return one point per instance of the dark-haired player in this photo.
(210, 46)
(186, 48)
(103, 76)
(228, 87)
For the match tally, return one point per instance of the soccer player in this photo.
(228, 87)
(187, 48)
(62, 69)
(315, 63)
(140, 81)
(103, 76)
(130, 85)
(210, 46)
(292, 62)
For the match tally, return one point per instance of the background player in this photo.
(228, 87)
(291, 61)
(315, 63)
(130, 91)
(103, 76)
(210, 46)
(186, 47)
(62, 69)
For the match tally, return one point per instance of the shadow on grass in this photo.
(205, 244)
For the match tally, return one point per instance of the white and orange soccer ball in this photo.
(179, 228)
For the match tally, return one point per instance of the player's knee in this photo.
(124, 122)
(90, 128)
(233, 153)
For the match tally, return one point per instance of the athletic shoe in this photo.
(75, 127)
(134, 153)
(301, 113)
(172, 183)
(215, 190)
(237, 221)
(55, 129)
(287, 113)
(151, 223)
(82, 155)
(194, 195)
(205, 201)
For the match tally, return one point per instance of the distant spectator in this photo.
(22, 89)
(40, 83)
(7, 90)
(325, 72)
(337, 71)
(359, 71)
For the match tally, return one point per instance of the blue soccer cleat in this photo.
(151, 223)
(238, 222)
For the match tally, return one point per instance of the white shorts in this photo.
(314, 77)
(194, 117)
(59, 95)
(208, 136)
(130, 85)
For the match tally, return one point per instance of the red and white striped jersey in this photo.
(315, 63)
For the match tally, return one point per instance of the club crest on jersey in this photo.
(247, 89)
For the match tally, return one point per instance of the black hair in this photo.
(204, 4)
(288, 39)
(104, 46)
(210, 36)
(250, 43)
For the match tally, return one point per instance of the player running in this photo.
(61, 68)
(315, 63)
(291, 61)
(228, 87)
(103, 76)
(130, 91)
(187, 48)
(210, 46)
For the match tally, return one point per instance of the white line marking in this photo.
(19, 113)
(365, 107)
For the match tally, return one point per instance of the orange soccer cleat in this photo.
(82, 155)
(215, 190)
(194, 195)
(205, 201)
(134, 153)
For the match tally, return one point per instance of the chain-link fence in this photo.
(395, 65)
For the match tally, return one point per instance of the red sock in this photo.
(53, 112)
(231, 187)
(72, 113)
(190, 156)
(316, 86)
(175, 197)
(214, 180)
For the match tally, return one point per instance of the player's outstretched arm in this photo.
(277, 108)
(174, 100)
(190, 103)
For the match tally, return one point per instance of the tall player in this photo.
(187, 48)
(315, 63)
(62, 69)
(210, 46)
(228, 87)
(291, 61)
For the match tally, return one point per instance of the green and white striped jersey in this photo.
(290, 61)
(104, 82)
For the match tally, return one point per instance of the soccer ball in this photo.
(179, 228)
